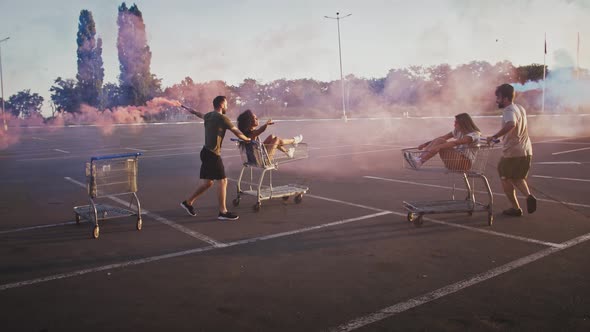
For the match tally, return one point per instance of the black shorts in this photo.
(516, 168)
(211, 166)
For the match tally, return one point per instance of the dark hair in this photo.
(505, 91)
(246, 121)
(218, 101)
(466, 123)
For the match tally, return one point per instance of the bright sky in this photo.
(273, 39)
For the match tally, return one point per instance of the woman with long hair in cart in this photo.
(452, 147)
(249, 125)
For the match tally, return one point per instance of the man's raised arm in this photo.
(197, 113)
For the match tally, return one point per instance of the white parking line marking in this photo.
(163, 220)
(477, 191)
(558, 178)
(404, 214)
(134, 149)
(558, 163)
(486, 231)
(16, 230)
(569, 151)
(62, 151)
(453, 288)
(355, 153)
(180, 253)
(473, 229)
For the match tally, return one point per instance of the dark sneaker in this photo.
(512, 212)
(227, 216)
(531, 204)
(189, 208)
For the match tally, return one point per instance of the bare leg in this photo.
(221, 195)
(522, 186)
(510, 193)
(429, 150)
(271, 143)
(205, 184)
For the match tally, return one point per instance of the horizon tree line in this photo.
(415, 87)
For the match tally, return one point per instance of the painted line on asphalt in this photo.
(559, 163)
(161, 219)
(62, 151)
(477, 191)
(569, 151)
(355, 153)
(405, 214)
(453, 288)
(500, 234)
(134, 149)
(16, 230)
(558, 178)
(182, 253)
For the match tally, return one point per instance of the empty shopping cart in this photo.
(108, 176)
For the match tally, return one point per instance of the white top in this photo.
(516, 142)
(463, 148)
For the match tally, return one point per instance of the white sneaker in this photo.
(297, 139)
(291, 152)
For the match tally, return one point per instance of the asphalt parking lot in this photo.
(344, 259)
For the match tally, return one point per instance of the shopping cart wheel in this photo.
(410, 216)
(418, 221)
(96, 232)
(139, 224)
(77, 219)
(257, 207)
(490, 219)
(298, 198)
(236, 201)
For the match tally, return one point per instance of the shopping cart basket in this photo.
(108, 176)
(255, 155)
(469, 163)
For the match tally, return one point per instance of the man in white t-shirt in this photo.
(517, 153)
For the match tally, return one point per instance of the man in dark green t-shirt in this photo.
(216, 123)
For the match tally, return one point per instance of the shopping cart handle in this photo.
(242, 141)
(115, 156)
(485, 140)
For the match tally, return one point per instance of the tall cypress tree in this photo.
(138, 85)
(90, 75)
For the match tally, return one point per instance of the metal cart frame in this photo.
(479, 154)
(107, 176)
(255, 155)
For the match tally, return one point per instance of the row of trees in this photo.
(440, 88)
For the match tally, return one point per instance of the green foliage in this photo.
(532, 72)
(65, 95)
(137, 83)
(90, 65)
(24, 104)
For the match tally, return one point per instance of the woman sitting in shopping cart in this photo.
(248, 124)
(457, 154)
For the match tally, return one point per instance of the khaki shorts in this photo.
(514, 168)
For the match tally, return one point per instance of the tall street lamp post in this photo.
(337, 18)
(2, 84)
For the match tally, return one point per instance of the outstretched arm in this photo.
(198, 114)
(445, 137)
(239, 134)
(256, 132)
